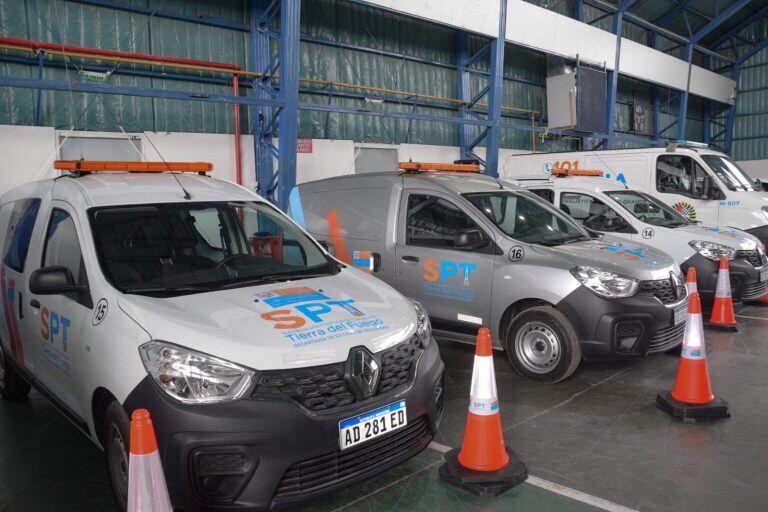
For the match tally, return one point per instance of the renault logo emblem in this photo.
(365, 371)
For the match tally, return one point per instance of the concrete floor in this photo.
(598, 433)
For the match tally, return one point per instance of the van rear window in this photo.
(19, 232)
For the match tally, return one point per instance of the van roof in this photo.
(585, 183)
(653, 150)
(120, 188)
(453, 182)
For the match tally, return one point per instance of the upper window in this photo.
(648, 209)
(525, 217)
(22, 220)
(677, 174)
(179, 248)
(435, 222)
(592, 212)
(732, 175)
(545, 193)
(62, 247)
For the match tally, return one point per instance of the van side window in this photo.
(591, 212)
(434, 222)
(62, 247)
(679, 175)
(544, 193)
(19, 232)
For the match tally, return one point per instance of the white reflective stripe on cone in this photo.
(693, 339)
(723, 285)
(146, 485)
(692, 287)
(483, 398)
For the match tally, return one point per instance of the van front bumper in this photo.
(745, 279)
(258, 454)
(621, 328)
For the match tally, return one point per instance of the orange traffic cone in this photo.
(484, 465)
(691, 280)
(691, 399)
(723, 318)
(146, 482)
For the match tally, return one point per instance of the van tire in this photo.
(12, 386)
(116, 437)
(542, 345)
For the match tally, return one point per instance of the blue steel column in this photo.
(731, 119)
(262, 116)
(682, 113)
(613, 81)
(495, 94)
(463, 91)
(39, 92)
(288, 123)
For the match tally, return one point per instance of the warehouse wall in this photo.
(751, 128)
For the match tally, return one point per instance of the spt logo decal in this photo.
(686, 209)
(55, 334)
(634, 253)
(307, 316)
(723, 232)
(449, 279)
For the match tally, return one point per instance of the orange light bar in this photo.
(424, 166)
(112, 166)
(575, 172)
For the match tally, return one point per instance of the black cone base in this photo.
(483, 483)
(721, 328)
(693, 413)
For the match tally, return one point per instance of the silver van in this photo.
(478, 251)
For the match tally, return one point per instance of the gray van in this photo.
(476, 251)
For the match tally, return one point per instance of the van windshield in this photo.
(181, 248)
(648, 209)
(727, 170)
(527, 218)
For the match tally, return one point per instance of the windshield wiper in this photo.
(270, 278)
(164, 289)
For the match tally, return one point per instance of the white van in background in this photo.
(702, 184)
(615, 209)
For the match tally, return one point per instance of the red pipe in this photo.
(238, 163)
(116, 53)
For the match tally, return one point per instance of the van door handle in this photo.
(34, 303)
(21, 311)
(411, 259)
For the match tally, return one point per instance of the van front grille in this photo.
(326, 472)
(664, 290)
(666, 339)
(322, 388)
(755, 291)
(752, 257)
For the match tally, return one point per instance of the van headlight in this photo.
(423, 325)
(192, 377)
(604, 283)
(712, 251)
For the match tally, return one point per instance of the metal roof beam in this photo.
(677, 9)
(718, 20)
(637, 20)
(741, 26)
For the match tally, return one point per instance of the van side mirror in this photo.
(54, 280)
(709, 190)
(470, 238)
(328, 248)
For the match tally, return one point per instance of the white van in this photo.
(701, 184)
(273, 372)
(613, 208)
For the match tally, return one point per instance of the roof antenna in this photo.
(186, 194)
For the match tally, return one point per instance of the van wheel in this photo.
(116, 440)
(542, 345)
(12, 386)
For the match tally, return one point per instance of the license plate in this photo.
(764, 274)
(372, 424)
(680, 312)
